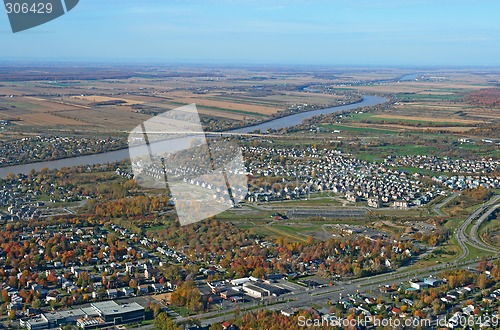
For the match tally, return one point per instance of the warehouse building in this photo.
(99, 314)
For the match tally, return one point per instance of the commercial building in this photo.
(98, 315)
(37, 323)
(433, 281)
(255, 291)
(418, 285)
(113, 313)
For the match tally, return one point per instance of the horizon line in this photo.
(137, 62)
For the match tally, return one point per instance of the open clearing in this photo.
(47, 119)
(459, 129)
(436, 102)
(430, 119)
(98, 99)
(230, 105)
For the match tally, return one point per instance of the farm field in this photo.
(426, 114)
(131, 95)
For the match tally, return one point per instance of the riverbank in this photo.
(123, 154)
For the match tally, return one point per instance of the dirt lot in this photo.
(164, 298)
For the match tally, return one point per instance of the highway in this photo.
(369, 284)
(439, 206)
(475, 228)
(480, 215)
(322, 295)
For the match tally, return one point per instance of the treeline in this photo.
(468, 198)
(221, 243)
(489, 97)
(131, 206)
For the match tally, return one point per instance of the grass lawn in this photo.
(314, 200)
(236, 215)
(182, 311)
(379, 153)
(492, 225)
(296, 232)
(288, 232)
(447, 252)
(154, 229)
(477, 253)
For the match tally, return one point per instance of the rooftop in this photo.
(111, 307)
(37, 321)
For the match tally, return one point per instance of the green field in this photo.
(369, 117)
(430, 97)
(379, 153)
(358, 129)
(21, 105)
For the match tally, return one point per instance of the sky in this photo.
(305, 32)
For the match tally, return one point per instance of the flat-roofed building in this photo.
(90, 323)
(99, 314)
(433, 281)
(37, 323)
(418, 285)
(271, 289)
(255, 291)
(240, 281)
(113, 313)
(229, 293)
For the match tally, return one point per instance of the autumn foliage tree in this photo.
(187, 295)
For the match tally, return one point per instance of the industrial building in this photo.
(99, 314)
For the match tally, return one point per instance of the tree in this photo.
(5, 296)
(188, 295)
(163, 322)
(156, 308)
(482, 281)
(437, 307)
(259, 272)
(36, 303)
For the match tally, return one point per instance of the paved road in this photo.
(439, 206)
(322, 295)
(474, 241)
(475, 228)
(372, 283)
(367, 284)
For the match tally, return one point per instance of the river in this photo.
(123, 154)
(298, 118)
